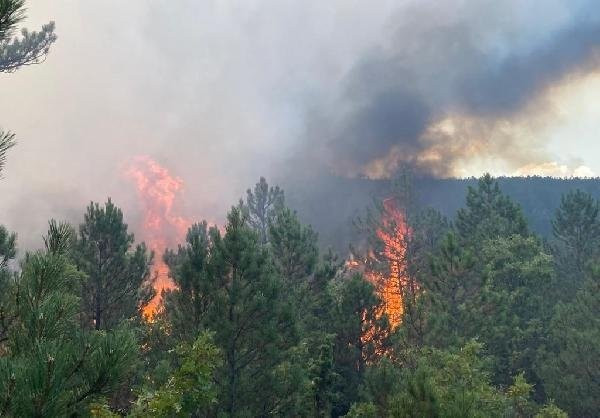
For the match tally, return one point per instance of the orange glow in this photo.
(393, 232)
(389, 285)
(157, 190)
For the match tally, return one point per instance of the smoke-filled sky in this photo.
(221, 92)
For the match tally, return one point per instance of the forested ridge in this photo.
(439, 310)
(338, 201)
(261, 323)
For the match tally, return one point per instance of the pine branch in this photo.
(7, 141)
(11, 13)
(31, 49)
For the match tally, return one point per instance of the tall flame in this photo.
(394, 233)
(390, 284)
(157, 190)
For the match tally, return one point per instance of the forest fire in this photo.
(385, 268)
(157, 190)
(393, 233)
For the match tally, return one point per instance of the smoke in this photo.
(456, 81)
(221, 93)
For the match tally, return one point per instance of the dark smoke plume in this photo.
(440, 87)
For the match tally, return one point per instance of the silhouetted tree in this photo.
(117, 284)
(261, 206)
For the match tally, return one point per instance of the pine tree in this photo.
(117, 281)
(511, 311)
(446, 290)
(294, 247)
(576, 228)
(360, 336)
(261, 206)
(187, 305)
(488, 214)
(569, 362)
(252, 324)
(50, 367)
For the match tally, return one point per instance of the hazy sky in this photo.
(221, 92)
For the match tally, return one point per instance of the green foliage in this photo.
(569, 362)
(488, 214)
(249, 318)
(191, 390)
(551, 411)
(117, 281)
(7, 141)
(519, 397)
(353, 316)
(510, 312)
(50, 367)
(8, 250)
(8, 247)
(230, 285)
(432, 383)
(576, 228)
(31, 48)
(11, 13)
(362, 410)
(294, 247)
(449, 287)
(187, 305)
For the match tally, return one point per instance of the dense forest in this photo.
(492, 321)
(338, 201)
(462, 312)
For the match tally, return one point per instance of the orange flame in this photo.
(157, 190)
(393, 232)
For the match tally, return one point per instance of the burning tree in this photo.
(399, 238)
(385, 260)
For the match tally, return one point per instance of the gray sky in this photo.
(221, 92)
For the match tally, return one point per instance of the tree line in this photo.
(262, 323)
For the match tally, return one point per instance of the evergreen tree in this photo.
(576, 228)
(360, 336)
(432, 383)
(446, 291)
(117, 281)
(187, 305)
(510, 312)
(569, 362)
(261, 206)
(488, 214)
(294, 247)
(50, 367)
(250, 319)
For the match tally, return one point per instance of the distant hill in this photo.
(330, 203)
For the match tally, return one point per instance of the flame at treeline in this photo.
(385, 268)
(162, 227)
